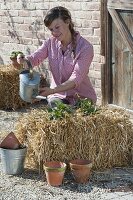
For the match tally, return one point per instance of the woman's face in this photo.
(59, 29)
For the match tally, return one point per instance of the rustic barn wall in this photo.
(117, 87)
(21, 28)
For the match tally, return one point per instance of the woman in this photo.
(69, 55)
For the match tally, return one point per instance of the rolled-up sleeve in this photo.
(82, 64)
(39, 55)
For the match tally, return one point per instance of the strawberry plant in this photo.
(60, 110)
(86, 106)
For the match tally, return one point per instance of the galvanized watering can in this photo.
(29, 84)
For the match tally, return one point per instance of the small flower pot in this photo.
(81, 170)
(10, 142)
(54, 171)
(15, 64)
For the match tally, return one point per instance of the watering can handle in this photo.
(30, 69)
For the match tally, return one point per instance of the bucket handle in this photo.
(30, 69)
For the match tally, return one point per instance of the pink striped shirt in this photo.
(65, 66)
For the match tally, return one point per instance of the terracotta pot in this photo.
(54, 171)
(15, 64)
(81, 170)
(10, 142)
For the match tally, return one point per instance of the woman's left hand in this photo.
(45, 91)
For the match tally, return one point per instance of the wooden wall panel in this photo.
(117, 47)
(120, 4)
(122, 66)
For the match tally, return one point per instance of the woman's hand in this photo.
(45, 91)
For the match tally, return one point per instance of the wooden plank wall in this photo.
(120, 4)
(117, 47)
(123, 66)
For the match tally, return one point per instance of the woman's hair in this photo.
(64, 14)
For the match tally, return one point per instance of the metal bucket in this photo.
(29, 85)
(13, 160)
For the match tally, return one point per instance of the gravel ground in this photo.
(113, 184)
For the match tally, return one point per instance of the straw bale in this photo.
(9, 88)
(105, 137)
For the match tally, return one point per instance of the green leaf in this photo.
(60, 111)
(14, 54)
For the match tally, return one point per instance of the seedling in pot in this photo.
(14, 54)
(13, 58)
